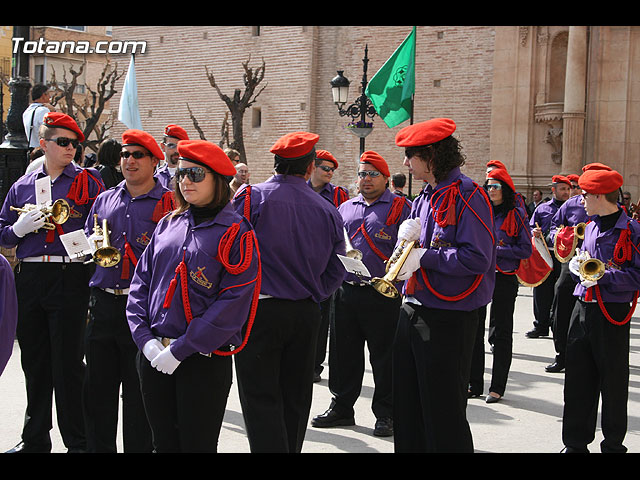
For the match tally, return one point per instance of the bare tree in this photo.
(237, 106)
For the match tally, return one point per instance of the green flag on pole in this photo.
(391, 89)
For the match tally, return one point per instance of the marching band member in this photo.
(191, 303)
(514, 244)
(300, 235)
(597, 358)
(132, 209)
(172, 135)
(540, 224)
(450, 276)
(51, 323)
(562, 234)
(362, 314)
(320, 181)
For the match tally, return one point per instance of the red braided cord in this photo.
(604, 310)
(375, 249)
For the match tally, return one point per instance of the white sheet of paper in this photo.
(76, 243)
(354, 266)
(43, 191)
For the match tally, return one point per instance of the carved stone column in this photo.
(574, 101)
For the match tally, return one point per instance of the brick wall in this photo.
(300, 62)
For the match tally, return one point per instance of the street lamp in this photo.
(360, 109)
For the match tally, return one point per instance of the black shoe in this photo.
(471, 394)
(537, 332)
(555, 367)
(331, 418)
(25, 448)
(384, 427)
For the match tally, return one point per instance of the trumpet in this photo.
(351, 252)
(579, 230)
(399, 256)
(58, 212)
(592, 269)
(106, 255)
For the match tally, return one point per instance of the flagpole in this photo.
(413, 97)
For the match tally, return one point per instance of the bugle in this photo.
(351, 252)
(399, 256)
(58, 212)
(592, 269)
(105, 256)
(579, 230)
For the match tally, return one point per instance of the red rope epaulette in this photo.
(79, 189)
(340, 196)
(445, 213)
(164, 206)
(395, 211)
(247, 202)
(509, 226)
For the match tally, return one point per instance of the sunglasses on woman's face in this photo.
(64, 141)
(194, 174)
(493, 186)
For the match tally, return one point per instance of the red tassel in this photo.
(622, 251)
(169, 295)
(395, 210)
(588, 296)
(445, 213)
(510, 225)
(164, 206)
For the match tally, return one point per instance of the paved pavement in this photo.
(527, 420)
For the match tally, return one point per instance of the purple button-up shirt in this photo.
(220, 301)
(299, 235)
(543, 215)
(510, 250)
(329, 193)
(456, 254)
(619, 281)
(23, 191)
(569, 214)
(129, 218)
(165, 177)
(356, 211)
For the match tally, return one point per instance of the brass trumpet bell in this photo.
(106, 256)
(399, 256)
(579, 230)
(592, 269)
(58, 212)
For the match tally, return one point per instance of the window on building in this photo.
(78, 29)
(38, 73)
(256, 117)
(255, 31)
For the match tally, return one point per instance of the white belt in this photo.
(116, 291)
(262, 296)
(356, 284)
(413, 300)
(168, 341)
(51, 259)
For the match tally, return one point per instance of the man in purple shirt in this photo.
(362, 314)
(53, 289)
(300, 235)
(172, 135)
(540, 224)
(597, 357)
(132, 209)
(568, 216)
(450, 274)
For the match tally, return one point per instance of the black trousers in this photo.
(564, 301)
(275, 374)
(597, 364)
(52, 314)
(362, 316)
(186, 409)
(476, 376)
(110, 354)
(326, 318)
(431, 362)
(543, 299)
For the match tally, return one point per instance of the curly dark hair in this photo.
(441, 157)
(109, 152)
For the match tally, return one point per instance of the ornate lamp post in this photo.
(360, 109)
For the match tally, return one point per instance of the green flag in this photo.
(391, 88)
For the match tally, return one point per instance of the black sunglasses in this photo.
(370, 173)
(137, 154)
(195, 174)
(326, 168)
(64, 141)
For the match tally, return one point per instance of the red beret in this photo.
(62, 120)
(324, 155)
(573, 177)
(377, 161)
(503, 175)
(425, 133)
(596, 166)
(206, 153)
(560, 179)
(142, 139)
(176, 131)
(294, 145)
(600, 182)
(496, 163)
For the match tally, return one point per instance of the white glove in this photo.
(410, 230)
(92, 242)
(152, 348)
(165, 362)
(587, 283)
(29, 222)
(411, 264)
(574, 265)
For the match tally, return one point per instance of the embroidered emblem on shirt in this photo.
(143, 239)
(382, 234)
(73, 213)
(437, 243)
(200, 278)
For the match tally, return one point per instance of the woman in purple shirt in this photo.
(191, 303)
